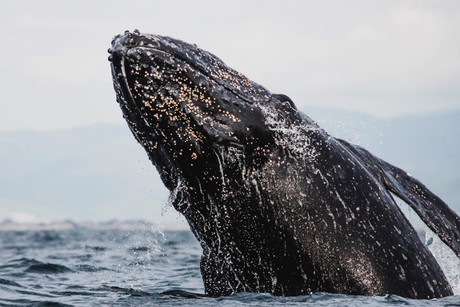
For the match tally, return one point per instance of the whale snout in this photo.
(122, 42)
(181, 99)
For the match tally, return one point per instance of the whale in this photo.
(277, 204)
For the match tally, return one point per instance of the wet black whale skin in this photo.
(277, 204)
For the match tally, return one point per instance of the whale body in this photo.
(277, 204)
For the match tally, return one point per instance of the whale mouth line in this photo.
(126, 100)
(125, 88)
(133, 114)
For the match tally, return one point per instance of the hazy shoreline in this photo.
(10, 225)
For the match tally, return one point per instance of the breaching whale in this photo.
(277, 204)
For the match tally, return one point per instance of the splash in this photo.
(446, 258)
(295, 138)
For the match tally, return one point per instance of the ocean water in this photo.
(131, 267)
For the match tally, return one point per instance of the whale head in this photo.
(185, 106)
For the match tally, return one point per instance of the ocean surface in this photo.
(84, 266)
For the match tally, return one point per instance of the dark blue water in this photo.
(82, 267)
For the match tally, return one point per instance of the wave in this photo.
(97, 248)
(90, 268)
(9, 283)
(25, 302)
(19, 263)
(48, 268)
(139, 249)
(34, 266)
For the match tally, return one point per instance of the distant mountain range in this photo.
(99, 172)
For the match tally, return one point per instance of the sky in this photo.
(385, 58)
